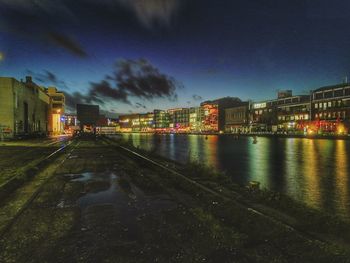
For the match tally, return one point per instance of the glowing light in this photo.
(2, 56)
(340, 129)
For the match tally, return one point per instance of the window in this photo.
(328, 94)
(325, 105)
(56, 105)
(320, 105)
(338, 93)
(57, 98)
(319, 96)
(329, 104)
(316, 106)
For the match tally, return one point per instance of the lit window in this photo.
(325, 105)
(316, 106)
(320, 105)
(329, 104)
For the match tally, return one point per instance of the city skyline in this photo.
(246, 50)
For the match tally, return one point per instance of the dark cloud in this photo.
(50, 21)
(72, 99)
(130, 79)
(103, 89)
(135, 78)
(40, 20)
(140, 105)
(48, 78)
(196, 97)
(67, 42)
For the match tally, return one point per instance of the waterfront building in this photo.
(23, 108)
(218, 105)
(331, 108)
(210, 117)
(195, 119)
(286, 113)
(293, 113)
(147, 122)
(143, 122)
(237, 118)
(179, 120)
(56, 111)
(161, 120)
(263, 116)
(129, 123)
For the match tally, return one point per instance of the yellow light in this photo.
(2, 56)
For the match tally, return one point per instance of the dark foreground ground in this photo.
(95, 203)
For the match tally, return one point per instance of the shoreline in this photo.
(316, 136)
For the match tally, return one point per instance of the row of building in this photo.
(324, 110)
(29, 109)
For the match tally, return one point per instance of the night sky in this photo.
(176, 52)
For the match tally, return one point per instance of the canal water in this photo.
(314, 171)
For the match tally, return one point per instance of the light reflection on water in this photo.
(313, 171)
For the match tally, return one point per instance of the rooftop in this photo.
(342, 85)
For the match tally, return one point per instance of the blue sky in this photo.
(248, 49)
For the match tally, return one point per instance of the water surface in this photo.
(314, 171)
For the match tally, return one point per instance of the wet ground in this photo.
(103, 206)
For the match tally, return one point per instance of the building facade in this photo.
(179, 120)
(294, 113)
(237, 119)
(331, 109)
(263, 116)
(56, 121)
(143, 122)
(23, 108)
(195, 119)
(210, 117)
(161, 120)
(220, 104)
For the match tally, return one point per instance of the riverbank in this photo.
(258, 134)
(326, 227)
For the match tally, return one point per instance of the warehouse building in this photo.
(23, 108)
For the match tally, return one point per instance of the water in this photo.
(314, 171)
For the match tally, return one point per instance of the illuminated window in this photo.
(316, 106)
(329, 104)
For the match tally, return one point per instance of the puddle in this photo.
(111, 200)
